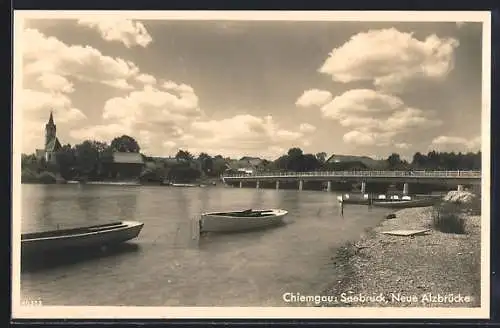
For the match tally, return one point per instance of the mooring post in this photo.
(241, 184)
(277, 185)
(258, 184)
(329, 186)
(406, 188)
(363, 187)
(301, 184)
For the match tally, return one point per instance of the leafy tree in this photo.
(308, 162)
(181, 173)
(394, 161)
(206, 163)
(87, 157)
(123, 144)
(321, 157)
(66, 160)
(295, 152)
(219, 165)
(419, 160)
(156, 174)
(184, 155)
(29, 162)
(282, 162)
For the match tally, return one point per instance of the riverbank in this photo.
(404, 269)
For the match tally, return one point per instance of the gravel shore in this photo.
(420, 271)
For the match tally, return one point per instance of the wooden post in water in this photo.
(277, 185)
(329, 186)
(406, 188)
(301, 184)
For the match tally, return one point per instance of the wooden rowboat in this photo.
(98, 235)
(240, 220)
(403, 203)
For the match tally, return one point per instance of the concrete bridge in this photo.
(456, 178)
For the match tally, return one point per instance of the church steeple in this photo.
(50, 130)
(51, 119)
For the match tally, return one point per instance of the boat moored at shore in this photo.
(405, 203)
(240, 220)
(92, 236)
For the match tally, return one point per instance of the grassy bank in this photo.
(404, 269)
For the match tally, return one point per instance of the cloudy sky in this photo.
(253, 87)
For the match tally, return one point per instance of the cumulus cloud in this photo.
(390, 58)
(54, 82)
(313, 97)
(402, 145)
(146, 79)
(307, 128)
(54, 62)
(36, 106)
(152, 114)
(243, 135)
(359, 138)
(359, 102)
(376, 118)
(451, 143)
(127, 31)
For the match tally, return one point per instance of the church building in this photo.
(52, 144)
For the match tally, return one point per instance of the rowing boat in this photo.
(240, 220)
(97, 235)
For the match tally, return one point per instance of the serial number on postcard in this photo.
(32, 302)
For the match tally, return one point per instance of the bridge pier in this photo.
(258, 184)
(277, 185)
(460, 188)
(241, 184)
(301, 184)
(329, 186)
(363, 187)
(406, 188)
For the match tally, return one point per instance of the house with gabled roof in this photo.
(52, 144)
(350, 162)
(123, 165)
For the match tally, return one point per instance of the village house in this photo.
(245, 165)
(124, 166)
(353, 163)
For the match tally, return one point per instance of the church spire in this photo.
(51, 119)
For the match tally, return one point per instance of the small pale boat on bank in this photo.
(359, 199)
(405, 203)
(113, 183)
(240, 220)
(183, 185)
(98, 235)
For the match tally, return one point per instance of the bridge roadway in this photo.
(458, 178)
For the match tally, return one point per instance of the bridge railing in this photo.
(387, 174)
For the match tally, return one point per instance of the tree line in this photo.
(85, 161)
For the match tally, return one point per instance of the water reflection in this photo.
(44, 216)
(65, 259)
(127, 206)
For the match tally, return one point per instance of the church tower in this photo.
(50, 131)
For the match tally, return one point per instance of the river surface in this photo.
(167, 267)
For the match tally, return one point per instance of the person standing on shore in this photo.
(341, 207)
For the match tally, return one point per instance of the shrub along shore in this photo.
(441, 268)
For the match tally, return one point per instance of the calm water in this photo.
(168, 267)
